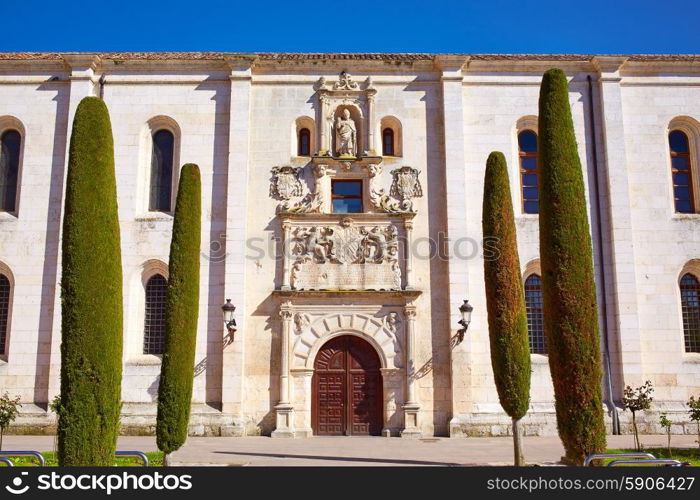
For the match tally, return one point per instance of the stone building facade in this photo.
(341, 215)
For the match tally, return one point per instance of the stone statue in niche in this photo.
(345, 135)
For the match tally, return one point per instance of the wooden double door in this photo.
(347, 389)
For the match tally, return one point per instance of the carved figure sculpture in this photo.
(345, 135)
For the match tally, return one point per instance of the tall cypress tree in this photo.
(505, 300)
(182, 311)
(91, 295)
(570, 308)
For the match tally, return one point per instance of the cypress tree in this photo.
(182, 310)
(570, 308)
(91, 295)
(505, 300)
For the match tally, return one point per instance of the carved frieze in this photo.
(346, 256)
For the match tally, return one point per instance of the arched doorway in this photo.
(347, 389)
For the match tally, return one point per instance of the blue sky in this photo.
(500, 26)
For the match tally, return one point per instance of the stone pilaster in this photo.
(411, 408)
(408, 252)
(284, 410)
(286, 248)
(83, 77)
(453, 113)
(616, 203)
(233, 373)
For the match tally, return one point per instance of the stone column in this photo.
(408, 252)
(621, 295)
(286, 250)
(233, 356)
(284, 410)
(411, 408)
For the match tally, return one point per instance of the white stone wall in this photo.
(237, 122)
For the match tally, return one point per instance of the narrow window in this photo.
(4, 311)
(10, 142)
(388, 142)
(154, 323)
(535, 317)
(690, 306)
(681, 171)
(527, 144)
(162, 171)
(304, 148)
(346, 196)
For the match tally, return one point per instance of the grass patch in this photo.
(691, 455)
(155, 459)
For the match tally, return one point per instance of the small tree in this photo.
(666, 424)
(9, 409)
(694, 413)
(635, 400)
(505, 300)
(55, 406)
(181, 313)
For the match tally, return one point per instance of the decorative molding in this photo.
(386, 338)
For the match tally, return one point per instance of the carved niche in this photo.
(346, 119)
(345, 256)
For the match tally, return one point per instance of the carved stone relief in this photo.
(405, 187)
(286, 186)
(345, 256)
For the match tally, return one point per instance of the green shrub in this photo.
(182, 310)
(505, 299)
(570, 308)
(91, 295)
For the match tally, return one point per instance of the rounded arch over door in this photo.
(347, 388)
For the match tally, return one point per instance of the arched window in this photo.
(527, 146)
(304, 147)
(690, 306)
(388, 142)
(162, 171)
(535, 317)
(10, 143)
(681, 169)
(4, 312)
(154, 324)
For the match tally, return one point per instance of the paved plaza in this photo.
(354, 451)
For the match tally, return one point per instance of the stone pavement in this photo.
(354, 451)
